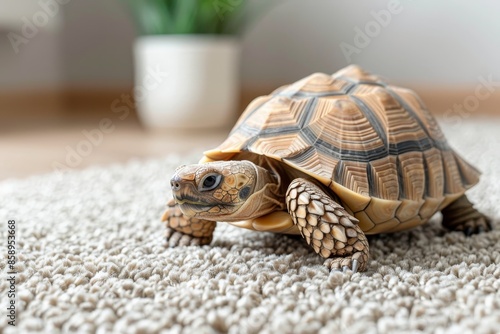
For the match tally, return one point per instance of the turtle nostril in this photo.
(175, 185)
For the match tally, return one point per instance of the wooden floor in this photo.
(42, 149)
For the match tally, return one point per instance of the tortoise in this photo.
(330, 157)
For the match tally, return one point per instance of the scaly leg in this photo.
(460, 215)
(185, 231)
(332, 232)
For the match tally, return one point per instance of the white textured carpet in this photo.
(92, 259)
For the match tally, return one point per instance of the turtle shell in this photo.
(375, 145)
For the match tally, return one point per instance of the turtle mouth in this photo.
(193, 207)
(188, 200)
(192, 210)
(191, 204)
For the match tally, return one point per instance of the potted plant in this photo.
(187, 62)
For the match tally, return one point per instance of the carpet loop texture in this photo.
(92, 259)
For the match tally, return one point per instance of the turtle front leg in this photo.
(186, 231)
(460, 215)
(330, 230)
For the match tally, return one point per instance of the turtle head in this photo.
(226, 190)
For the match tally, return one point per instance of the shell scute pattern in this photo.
(375, 145)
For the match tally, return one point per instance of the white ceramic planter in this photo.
(187, 81)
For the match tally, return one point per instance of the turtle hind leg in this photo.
(460, 215)
(332, 232)
(186, 231)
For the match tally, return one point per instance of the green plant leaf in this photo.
(186, 12)
(188, 16)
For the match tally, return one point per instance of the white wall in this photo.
(35, 63)
(97, 43)
(12, 11)
(87, 43)
(430, 42)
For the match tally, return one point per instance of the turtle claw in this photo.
(354, 263)
(354, 266)
(175, 238)
(460, 215)
(476, 226)
(489, 225)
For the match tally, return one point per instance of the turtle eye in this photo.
(209, 182)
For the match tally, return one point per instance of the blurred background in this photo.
(86, 82)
